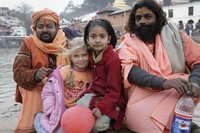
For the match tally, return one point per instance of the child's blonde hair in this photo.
(73, 45)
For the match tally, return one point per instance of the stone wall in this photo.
(196, 36)
(10, 41)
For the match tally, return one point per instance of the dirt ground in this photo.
(8, 119)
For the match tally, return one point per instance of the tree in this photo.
(70, 7)
(71, 11)
(23, 12)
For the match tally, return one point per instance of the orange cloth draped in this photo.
(60, 39)
(32, 102)
(45, 13)
(55, 47)
(150, 111)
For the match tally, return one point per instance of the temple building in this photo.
(176, 10)
(120, 4)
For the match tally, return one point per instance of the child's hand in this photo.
(96, 112)
(44, 80)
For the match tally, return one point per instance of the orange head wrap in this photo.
(46, 14)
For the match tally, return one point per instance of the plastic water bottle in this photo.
(183, 115)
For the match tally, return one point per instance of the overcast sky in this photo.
(56, 5)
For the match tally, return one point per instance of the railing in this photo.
(10, 41)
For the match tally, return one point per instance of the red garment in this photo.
(107, 86)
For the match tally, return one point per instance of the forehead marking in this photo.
(143, 10)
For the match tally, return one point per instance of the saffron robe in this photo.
(150, 111)
(28, 61)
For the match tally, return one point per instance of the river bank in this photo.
(10, 41)
(9, 109)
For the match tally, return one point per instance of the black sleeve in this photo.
(142, 78)
(195, 74)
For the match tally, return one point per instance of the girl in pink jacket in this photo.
(64, 87)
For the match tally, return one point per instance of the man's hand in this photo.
(181, 85)
(42, 73)
(194, 90)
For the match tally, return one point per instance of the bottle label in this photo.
(181, 123)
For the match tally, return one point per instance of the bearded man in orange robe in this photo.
(38, 56)
(155, 59)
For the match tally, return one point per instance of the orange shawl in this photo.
(55, 47)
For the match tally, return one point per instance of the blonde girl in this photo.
(64, 87)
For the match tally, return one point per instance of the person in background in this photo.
(64, 87)
(197, 26)
(154, 57)
(189, 28)
(38, 56)
(180, 25)
(71, 33)
(106, 96)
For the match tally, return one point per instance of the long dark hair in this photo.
(161, 19)
(103, 23)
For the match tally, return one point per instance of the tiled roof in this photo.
(108, 9)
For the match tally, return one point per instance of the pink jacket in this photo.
(53, 102)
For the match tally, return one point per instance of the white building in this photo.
(18, 31)
(64, 23)
(174, 2)
(120, 4)
(183, 12)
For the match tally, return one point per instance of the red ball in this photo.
(77, 119)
